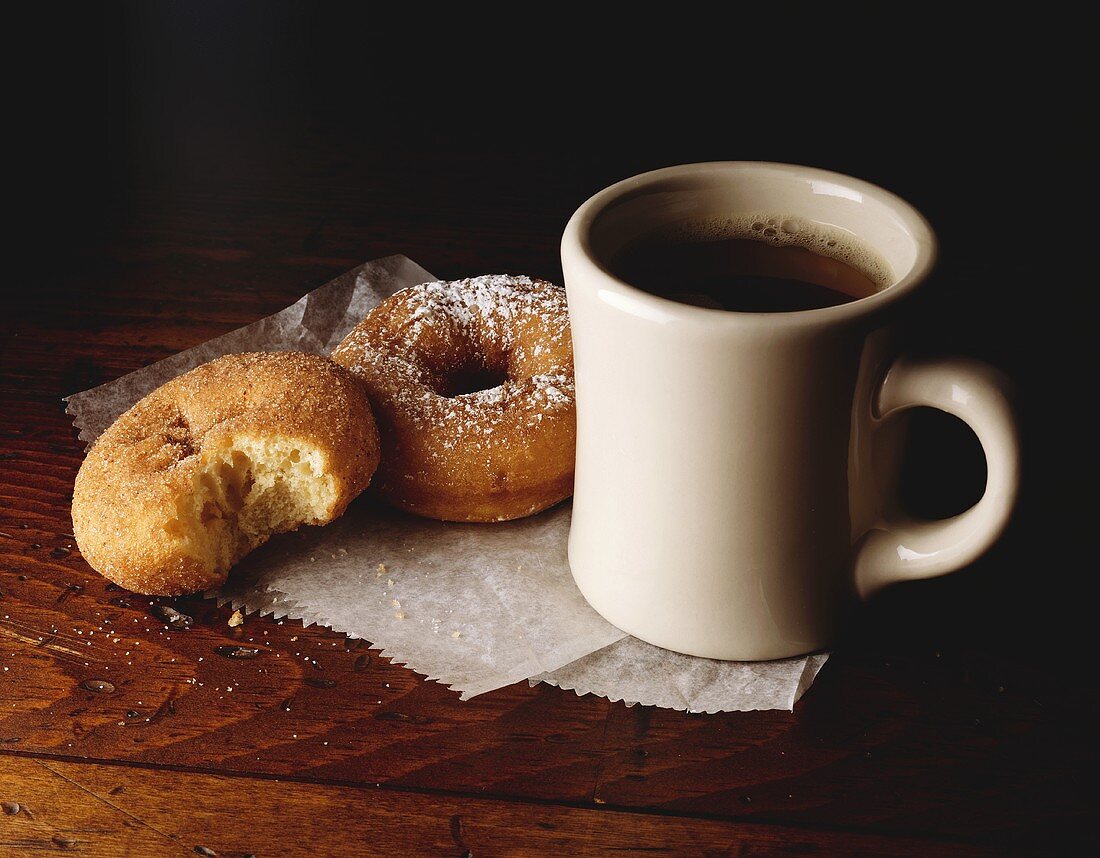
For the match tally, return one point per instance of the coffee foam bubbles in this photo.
(786, 231)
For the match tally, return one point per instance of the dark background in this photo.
(502, 125)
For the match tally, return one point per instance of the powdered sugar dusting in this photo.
(422, 335)
(492, 301)
(423, 348)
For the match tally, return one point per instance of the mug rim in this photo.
(576, 245)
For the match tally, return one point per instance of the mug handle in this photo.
(906, 549)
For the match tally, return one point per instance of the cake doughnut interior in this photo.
(471, 382)
(207, 467)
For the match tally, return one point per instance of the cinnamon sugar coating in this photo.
(209, 465)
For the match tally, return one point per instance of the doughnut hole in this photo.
(247, 490)
(471, 378)
(459, 360)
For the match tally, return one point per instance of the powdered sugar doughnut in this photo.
(471, 383)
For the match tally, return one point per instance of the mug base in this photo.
(717, 650)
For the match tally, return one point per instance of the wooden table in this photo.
(942, 724)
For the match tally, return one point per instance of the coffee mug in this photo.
(735, 470)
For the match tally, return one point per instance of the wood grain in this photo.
(110, 810)
(944, 728)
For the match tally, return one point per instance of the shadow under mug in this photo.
(733, 480)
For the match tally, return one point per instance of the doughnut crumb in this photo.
(247, 490)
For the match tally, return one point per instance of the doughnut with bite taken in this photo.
(211, 464)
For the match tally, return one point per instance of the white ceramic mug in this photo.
(734, 470)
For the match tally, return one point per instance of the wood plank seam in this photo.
(596, 807)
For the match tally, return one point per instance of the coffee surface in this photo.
(754, 265)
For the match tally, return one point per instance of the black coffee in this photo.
(760, 266)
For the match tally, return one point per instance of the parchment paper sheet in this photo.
(636, 672)
(314, 323)
(476, 607)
